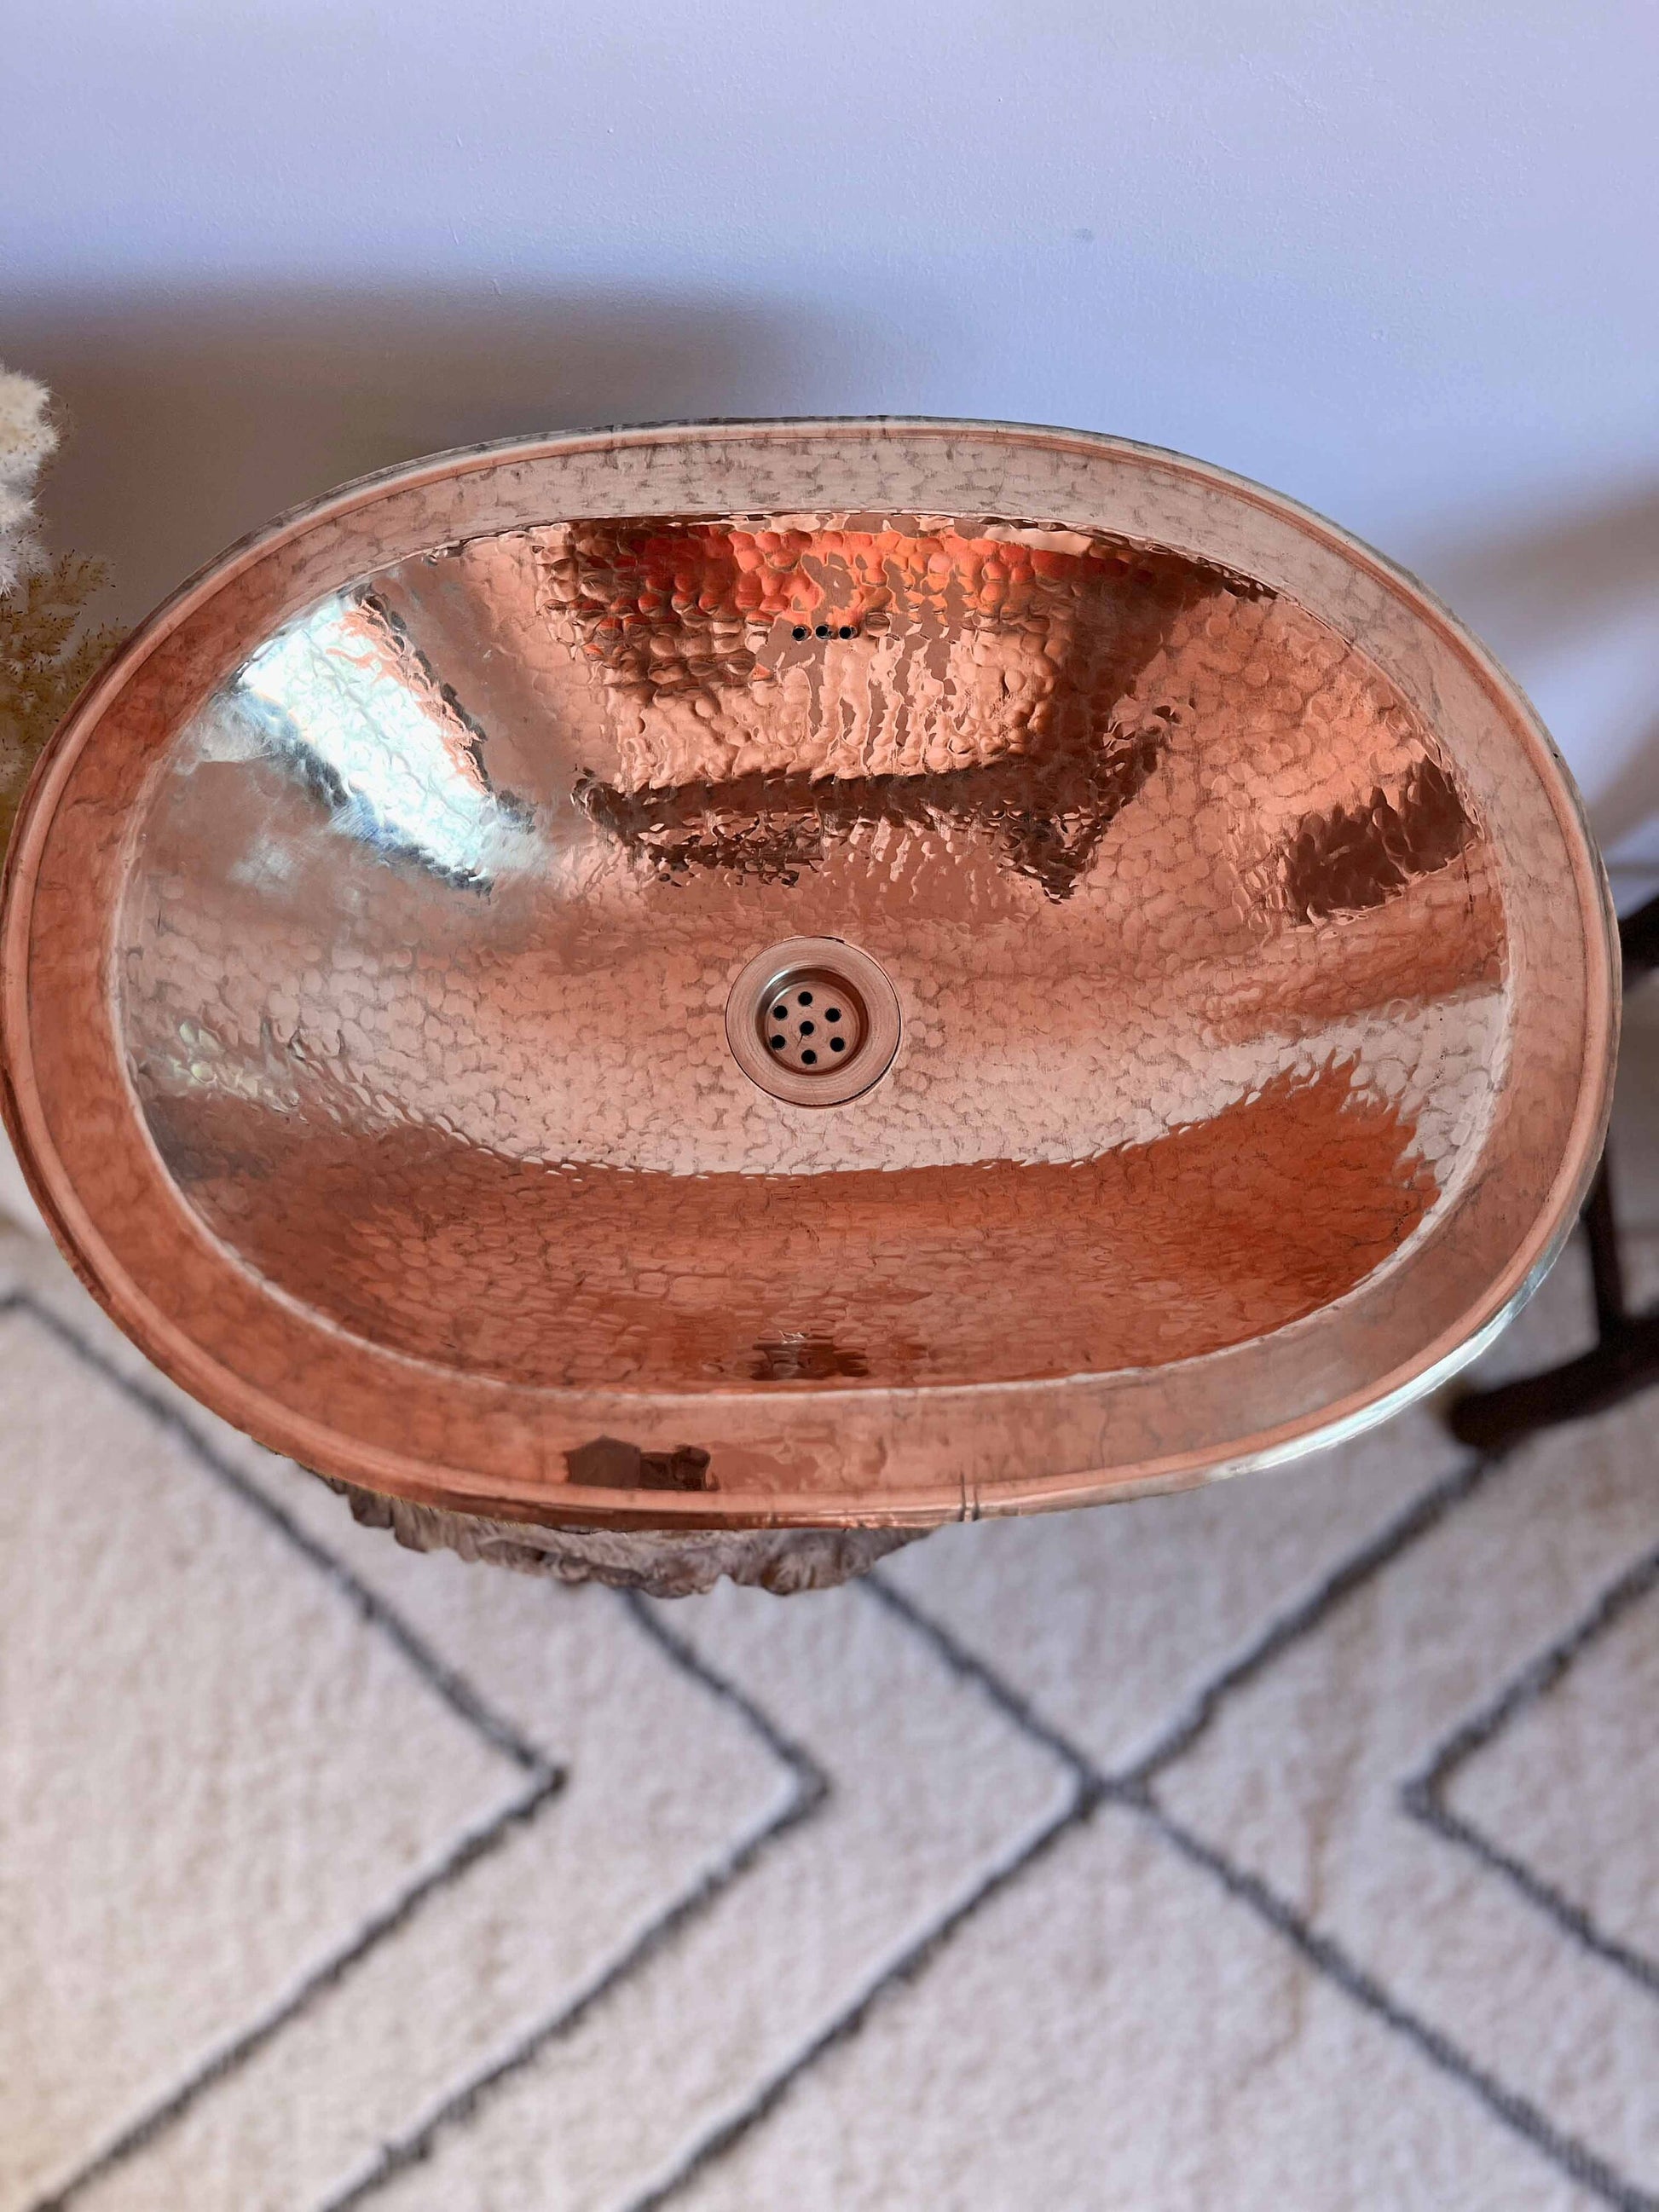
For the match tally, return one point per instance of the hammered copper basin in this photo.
(410, 1034)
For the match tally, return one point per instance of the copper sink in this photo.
(398, 934)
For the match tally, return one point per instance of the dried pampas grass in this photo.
(44, 662)
(29, 438)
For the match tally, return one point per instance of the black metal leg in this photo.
(1607, 1268)
(1617, 1369)
(1638, 941)
(1625, 1358)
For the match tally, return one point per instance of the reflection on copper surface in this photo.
(1358, 857)
(1207, 976)
(807, 1359)
(1049, 818)
(923, 678)
(346, 699)
(608, 1463)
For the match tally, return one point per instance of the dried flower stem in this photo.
(46, 653)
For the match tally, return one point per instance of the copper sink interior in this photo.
(429, 908)
(424, 965)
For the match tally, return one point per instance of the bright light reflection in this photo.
(346, 695)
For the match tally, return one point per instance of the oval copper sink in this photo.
(423, 944)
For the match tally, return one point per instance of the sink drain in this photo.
(813, 1021)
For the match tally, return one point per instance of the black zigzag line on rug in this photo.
(1133, 1789)
(445, 1682)
(811, 1792)
(811, 1787)
(547, 1778)
(1423, 1794)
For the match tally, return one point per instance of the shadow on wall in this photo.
(1557, 587)
(194, 418)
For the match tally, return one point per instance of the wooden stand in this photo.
(663, 1563)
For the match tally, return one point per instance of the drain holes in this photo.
(790, 1030)
(815, 1022)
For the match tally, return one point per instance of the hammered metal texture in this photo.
(425, 918)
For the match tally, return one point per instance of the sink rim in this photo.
(1045, 1414)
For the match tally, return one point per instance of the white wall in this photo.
(1397, 259)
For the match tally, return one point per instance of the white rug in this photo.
(1290, 1844)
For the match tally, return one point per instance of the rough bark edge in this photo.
(660, 1562)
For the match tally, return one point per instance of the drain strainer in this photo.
(813, 1021)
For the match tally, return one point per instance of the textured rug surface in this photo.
(1289, 1844)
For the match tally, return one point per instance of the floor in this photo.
(1289, 1844)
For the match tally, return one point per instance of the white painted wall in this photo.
(1397, 256)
